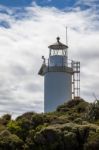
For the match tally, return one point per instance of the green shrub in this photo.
(13, 127)
(27, 115)
(92, 142)
(92, 113)
(78, 120)
(10, 141)
(4, 120)
(49, 139)
(70, 141)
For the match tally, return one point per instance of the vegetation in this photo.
(73, 126)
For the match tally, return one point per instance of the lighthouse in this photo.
(61, 77)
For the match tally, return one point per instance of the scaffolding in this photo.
(76, 80)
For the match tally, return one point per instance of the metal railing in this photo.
(69, 63)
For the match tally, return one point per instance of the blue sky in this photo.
(24, 24)
(15, 2)
(56, 3)
(61, 4)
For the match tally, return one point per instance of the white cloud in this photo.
(27, 39)
(92, 3)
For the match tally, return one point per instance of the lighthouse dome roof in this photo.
(58, 45)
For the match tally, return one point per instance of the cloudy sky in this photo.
(27, 27)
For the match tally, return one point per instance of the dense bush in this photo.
(5, 119)
(92, 113)
(73, 126)
(10, 141)
(92, 141)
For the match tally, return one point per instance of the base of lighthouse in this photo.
(57, 89)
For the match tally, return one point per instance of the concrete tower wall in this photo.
(57, 89)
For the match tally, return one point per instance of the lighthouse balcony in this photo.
(45, 69)
(59, 69)
(70, 67)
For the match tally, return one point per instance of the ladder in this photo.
(76, 80)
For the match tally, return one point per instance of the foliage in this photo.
(10, 141)
(92, 113)
(13, 127)
(73, 126)
(5, 119)
(92, 141)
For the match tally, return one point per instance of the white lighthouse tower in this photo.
(59, 77)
